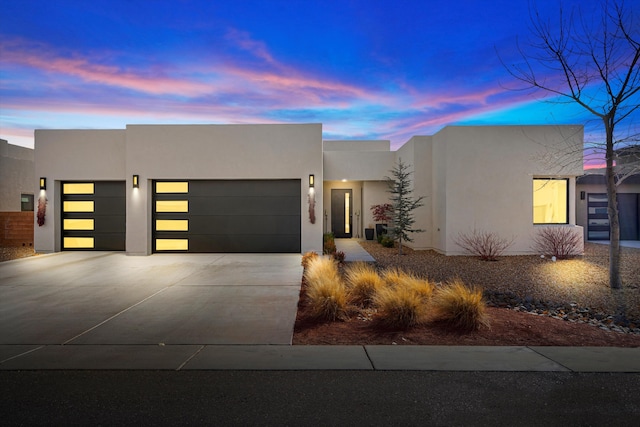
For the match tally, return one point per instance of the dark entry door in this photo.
(629, 219)
(342, 213)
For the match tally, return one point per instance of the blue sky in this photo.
(365, 69)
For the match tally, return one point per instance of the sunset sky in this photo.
(364, 69)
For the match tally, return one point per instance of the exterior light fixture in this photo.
(136, 181)
(582, 195)
(311, 181)
(43, 183)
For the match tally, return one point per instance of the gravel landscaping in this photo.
(575, 290)
(9, 253)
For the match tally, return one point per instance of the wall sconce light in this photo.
(311, 181)
(582, 195)
(136, 181)
(43, 183)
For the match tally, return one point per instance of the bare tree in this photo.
(596, 65)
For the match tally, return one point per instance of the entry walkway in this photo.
(353, 251)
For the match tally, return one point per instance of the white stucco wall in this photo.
(374, 193)
(357, 165)
(73, 155)
(16, 175)
(221, 152)
(356, 145)
(177, 152)
(488, 173)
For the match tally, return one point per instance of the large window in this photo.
(550, 201)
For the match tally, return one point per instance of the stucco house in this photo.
(278, 187)
(16, 195)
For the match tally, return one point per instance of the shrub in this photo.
(326, 293)
(307, 257)
(461, 306)
(561, 242)
(329, 244)
(383, 212)
(485, 244)
(339, 256)
(386, 241)
(379, 238)
(362, 283)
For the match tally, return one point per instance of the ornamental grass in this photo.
(326, 292)
(461, 306)
(403, 302)
(363, 282)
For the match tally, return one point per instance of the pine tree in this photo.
(403, 203)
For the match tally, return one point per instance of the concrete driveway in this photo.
(111, 298)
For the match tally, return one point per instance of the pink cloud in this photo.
(244, 41)
(41, 58)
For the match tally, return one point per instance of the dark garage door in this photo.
(250, 216)
(94, 216)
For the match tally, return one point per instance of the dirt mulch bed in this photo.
(581, 281)
(508, 327)
(9, 253)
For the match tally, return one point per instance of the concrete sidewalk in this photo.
(286, 357)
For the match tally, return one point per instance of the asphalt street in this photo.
(319, 398)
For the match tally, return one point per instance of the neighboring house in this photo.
(16, 195)
(592, 205)
(277, 188)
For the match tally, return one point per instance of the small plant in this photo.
(379, 238)
(326, 293)
(382, 213)
(485, 244)
(461, 306)
(339, 256)
(329, 244)
(560, 242)
(386, 241)
(307, 257)
(362, 283)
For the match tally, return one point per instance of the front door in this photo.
(341, 213)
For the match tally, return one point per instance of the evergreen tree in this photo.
(403, 203)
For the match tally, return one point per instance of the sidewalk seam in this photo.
(548, 358)
(22, 354)
(182, 365)
(115, 315)
(373, 366)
